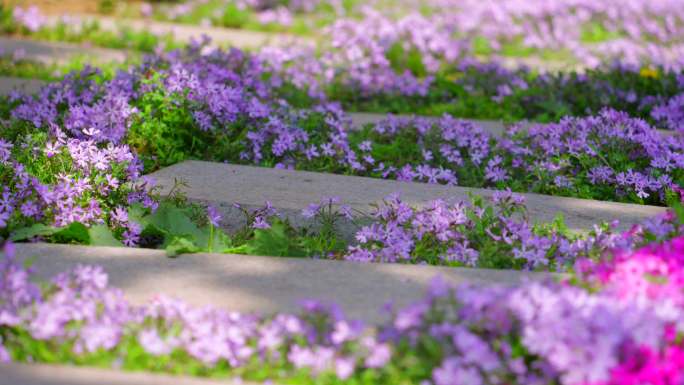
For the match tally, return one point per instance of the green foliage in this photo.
(402, 60)
(101, 235)
(234, 17)
(276, 241)
(164, 132)
(76, 233)
(172, 228)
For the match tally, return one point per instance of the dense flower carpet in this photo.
(75, 160)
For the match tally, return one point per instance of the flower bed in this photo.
(625, 330)
(584, 30)
(222, 106)
(87, 139)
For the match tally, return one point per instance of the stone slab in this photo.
(291, 191)
(31, 86)
(59, 52)
(495, 127)
(360, 119)
(262, 285)
(186, 32)
(41, 374)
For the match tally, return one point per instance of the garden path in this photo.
(291, 191)
(59, 52)
(31, 86)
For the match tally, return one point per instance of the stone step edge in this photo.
(64, 374)
(11, 83)
(225, 184)
(258, 284)
(494, 127)
(53, 52)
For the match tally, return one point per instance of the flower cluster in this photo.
(627, 330)
(492, 236)
(58, 177)
(588, 31)
(266, 12)
(671, 113)
(30, 18)
(575, 157)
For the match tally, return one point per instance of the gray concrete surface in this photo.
(360, 119)
(185, 32)
(58, 52)
(7, 84)
(291, 191)
(41, 374)
(262, 285)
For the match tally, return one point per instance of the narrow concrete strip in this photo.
(186, 32)
(58, 52)
(494, 127)
(42, 374)
(292, 191)
(30, 86)
(360, 119)
(262, 285)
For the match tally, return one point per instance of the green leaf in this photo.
(101, 235)
(76, 232)
(138, 214)
(181, 245)
(175, 221)
(274, 242)
(26, 233)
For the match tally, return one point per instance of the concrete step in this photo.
(185, 32)
(42, 374)
(59, 52)
(494, 127)
(262, 285)
(360, 119)
(8, 84)
(291, 191)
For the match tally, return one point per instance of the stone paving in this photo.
(260, 284)
(360, 119)
(31, 86)
(291, 191)
(58, 52)
(41, 374)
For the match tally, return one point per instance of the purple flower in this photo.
(260, 223)
(214, 216)
(453, 371)
(154, 344)
(344, 367)
(311, 210)
(31, 17)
